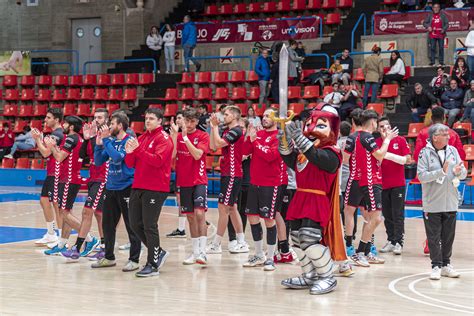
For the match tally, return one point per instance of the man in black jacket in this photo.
(420, 102)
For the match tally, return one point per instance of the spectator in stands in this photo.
(420, 101)
(461, 72)
(437, 24)
(348, 100)
(188, 41)
(469, 43)
(336, 71)
(263, 70)
(468, 104)
(203, 124)
(347, 66)
(154, 41)
(7, 138)
(397, 69)
(24, 141)
(220, 113)
(437, 117)
(294, 62)
(300, 50)
(253, 119)
(169, 39)
(373, 72)
(335, 97)
(451, 101)
(439, 83)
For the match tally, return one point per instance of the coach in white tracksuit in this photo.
(439, 170)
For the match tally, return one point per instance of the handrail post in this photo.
(354, 29)
(320, 27)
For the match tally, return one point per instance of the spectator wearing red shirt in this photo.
(151, 156)
(437, 24)
(393, 188)
(7, 139)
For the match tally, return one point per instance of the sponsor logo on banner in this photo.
(267, 35)
(293, 30)
(383, 24)
(221, 33)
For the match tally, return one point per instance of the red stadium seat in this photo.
(87, 94)
(333, 19)
(377, 107)
(311, 92)
(465, 126)
(60, 81)
(56, 105)
(312, 105)
(101, 94)
(204, 77)
(8, 163)
(226, 9)
(327, 90)
(25, 110)
(269, 7)
(294, 92)
(256, 7)
(314, 4)
(27, 95)
(240, 8)
(345, 4)
(118, 80)
(155, 106)
(186, 78)
(284, 6)
(211, 10)
(1, 94)
(221, 77)
(171, 95)
(96, 106)
(59, 95)
(73, 94)
(103, 80)
(27, 81)
(254, 93)
(90, 80)
(221, 94)
(187, 94)
(10, 81)
(38, 124)
(389, 91)
(359, 75)
(299, 5)
(391, 2)
(239, 93)
(414, 129)
(116, 94)
(297, 108)
(132, 79)
(275, 106)
(19, 125)
(138, 127)
(45, 80)
(237, 76)
(130, 94)
(75, 81)
(259, 109)
(112, 107)
(22, 163)
(329, 4)
(146, 78)
(40, 109)
(204, 94)
(252, 76)
(243, 108)
(37, 164)
(10, 110)
(12, 95)
(69, 109)
(83, 109)
(171, 110)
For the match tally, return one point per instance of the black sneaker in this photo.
(147, 271)
(177, 234)
(162, 256)
(198, 67)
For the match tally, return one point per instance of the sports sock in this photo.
(60, 231)
(367, 248)
(217, 240)
(88, 237)
(202, 244)
(195, 246)
(79, 243)
(284, 246)
(240, 238)
(349, 241)
(271, 241)
(372, 240)
(182, 223)
(62, 242)
(50, 226)
(361, 247)
(259, 248)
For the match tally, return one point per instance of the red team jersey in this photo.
(393, 174)
(231, 163)
(96, 174)
(369, 166)
(189, 171)
(71, 166)
(52, 166)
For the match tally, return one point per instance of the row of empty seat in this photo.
(70, 94)
(23, 163)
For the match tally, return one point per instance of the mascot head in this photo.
(322, 126)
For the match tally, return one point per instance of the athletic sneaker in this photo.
(177, 234)
(104, 263)
(426, 250)
(350, 251)
(448, 271)
(147, 271)
(344, 270)
(231, 245)
(435, 274)
(254, 261)
(360, 260)
(162, 256)
(213, 248)
(130, 266)
(397, 250)
(97, 256)
(211, 230)
(284, 258)
(72, 255)
(55, 251)
(201, 259)
(90, 246)
(373, 259)
(240, 248)
(191, 259)
(387, 248)
(269, 265)
(47, 239)
(125, 246)
(373, 250)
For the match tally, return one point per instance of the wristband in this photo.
(185, 138)
(386, 141)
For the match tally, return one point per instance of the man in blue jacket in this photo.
(262, 68)
(451, 101)
(110, 149)
(188, 41)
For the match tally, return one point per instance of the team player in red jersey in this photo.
(265, 191)
(190, 148)
(48, 199)
(393, 185)
(151, 156)
(231, 143)
(69, 177)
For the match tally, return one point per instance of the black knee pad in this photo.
(257, 231)
(272, 235)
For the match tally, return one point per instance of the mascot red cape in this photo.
(316, 229)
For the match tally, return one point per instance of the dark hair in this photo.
(203, 106)
(56, 113)
(456, 64)
(292, 42)
(157, 112)
(383, 118)
(102, 110)
(397, 53)
(234, 109)
(376, 50)
(437, 114)
(355, 116)
(26, 128)
(368, 115)
(75, 121)
(171, 26)
(121, 118)
(156, 27)
(246, 122)
(6, 125)
(191, 114)
(179, 112)
(345, 128)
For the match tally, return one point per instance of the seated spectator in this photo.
(451, 101)
(203, 124)
(468, 104)
(252, 118)
(461, 72)
(397, 69)
(334, 98)
(439, 83)
(420, 101)
(348, 100)
(347, 65)
(24, 141)
(336, 71)
(7, 138)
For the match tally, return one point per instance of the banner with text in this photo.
(412, 22)
(254, 31)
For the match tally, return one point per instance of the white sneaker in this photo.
(212, 248)
(47, 239)
(190, 260)
(240, 248)
(8, 156)
(448, 271)
(130, 266)
(435, 273)
(201, 259)
(397, 250)
(269, 265)
(254, 261)
(387, 248)
(232, 244)
(125, 246)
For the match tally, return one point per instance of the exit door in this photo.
(87, 39)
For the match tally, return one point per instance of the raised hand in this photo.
(86, 131)
(392, 133)
(457, 168)
(131, 145)
(174, 128)
(36, 134)
(214, 120)
(49, 142)
(104, 131)
(294, 129)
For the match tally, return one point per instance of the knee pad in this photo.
(309, 236)
(321, 258)
(257, 231)
(271, 235)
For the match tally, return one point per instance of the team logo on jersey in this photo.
(200, 198)
(196, 141)
(151, 144)
(395, 146)
(268, 139)
(152, 201)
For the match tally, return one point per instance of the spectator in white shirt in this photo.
(154, 41)
(253, 119)
(169, 39)
(397, 69)
(469, 43)
(334, 98)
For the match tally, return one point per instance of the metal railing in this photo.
(408, 51)
(138, 60)
(326, 56)
(250, 58)
(71, 67)
(354, 29)
(73, 51)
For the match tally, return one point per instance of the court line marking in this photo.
(392, 288)
(412, 288)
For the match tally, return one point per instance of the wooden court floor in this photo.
(34, 284)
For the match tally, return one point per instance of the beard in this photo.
(114, 132)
